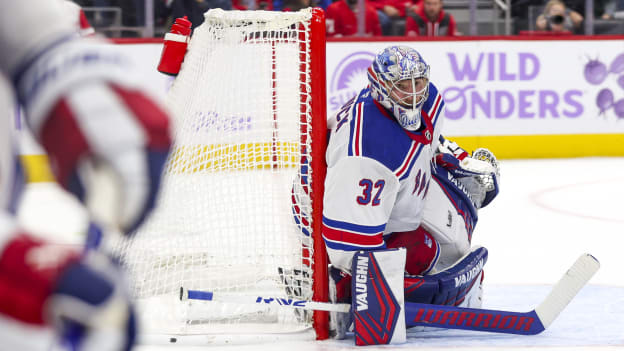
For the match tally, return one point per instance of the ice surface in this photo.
(547, 214)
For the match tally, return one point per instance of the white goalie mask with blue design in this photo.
(399, 81)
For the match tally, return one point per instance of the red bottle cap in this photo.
(181, 26)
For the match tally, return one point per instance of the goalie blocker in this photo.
(379, 290)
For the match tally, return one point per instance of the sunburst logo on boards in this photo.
(348, 79)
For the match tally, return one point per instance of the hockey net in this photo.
(249, 137)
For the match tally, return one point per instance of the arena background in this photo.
(538, 98)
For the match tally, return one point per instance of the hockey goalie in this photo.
(400, 202)
(83, 106)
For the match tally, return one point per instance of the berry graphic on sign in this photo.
(595, 72)
(604, 100)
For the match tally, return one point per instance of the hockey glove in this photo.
(489, 182)
(81, 297)
(91, 308)
(86, 108)
(479, 173)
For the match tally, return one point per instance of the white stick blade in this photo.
(564, 291)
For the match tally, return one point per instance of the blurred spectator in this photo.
(613, 9)
(341, 19)
(243, 5)
(429, 20)
(295, 5)
(579, 6)
(268, 5)
(195, 9)
(558, 18)
(321, 3)
(388, 10)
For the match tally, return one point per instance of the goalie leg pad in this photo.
(458, 285)
(378, 302)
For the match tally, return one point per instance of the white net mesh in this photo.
(224, 221)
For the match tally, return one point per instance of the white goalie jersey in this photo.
(378, 175)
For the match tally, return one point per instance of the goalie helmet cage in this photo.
(240, 205)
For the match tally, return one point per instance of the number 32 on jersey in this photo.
(371, 192)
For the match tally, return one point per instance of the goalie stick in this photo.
(450, 317)
(186, 294)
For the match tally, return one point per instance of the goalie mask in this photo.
(399, 81)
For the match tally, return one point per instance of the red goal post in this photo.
(319, 109)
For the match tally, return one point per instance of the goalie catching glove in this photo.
(479, 173)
